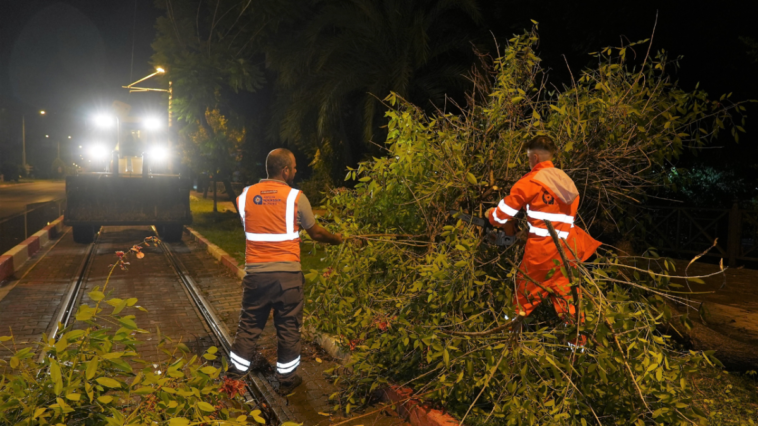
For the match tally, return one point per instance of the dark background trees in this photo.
(313, 72)
(328, 65)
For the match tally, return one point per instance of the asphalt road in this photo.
(15, 197)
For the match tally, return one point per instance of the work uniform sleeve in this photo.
(305, 216)
(521, 193)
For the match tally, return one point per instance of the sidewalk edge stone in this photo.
(13, 259)
(417, 413)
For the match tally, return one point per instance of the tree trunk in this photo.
(232, 195)
(735, 355)
(226, 178)
(215, 200)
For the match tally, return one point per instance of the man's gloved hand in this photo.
(487, 214)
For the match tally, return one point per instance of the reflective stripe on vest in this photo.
(553, 217)
(542, 232)
(289, 219)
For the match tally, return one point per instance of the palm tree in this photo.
(333, 72)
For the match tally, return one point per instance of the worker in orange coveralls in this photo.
(546, 193)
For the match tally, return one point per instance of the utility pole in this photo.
(23, 141)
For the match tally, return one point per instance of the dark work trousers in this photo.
(263, 291)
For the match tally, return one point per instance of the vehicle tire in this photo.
(84, 234)
(171, 233)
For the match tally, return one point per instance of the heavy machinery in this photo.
(131, 186)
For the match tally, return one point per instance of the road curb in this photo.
(13, 259)
(413, 410)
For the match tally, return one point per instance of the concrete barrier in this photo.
(413, 410)
(13, 259)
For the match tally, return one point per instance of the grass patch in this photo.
(224, 229)
(727, 398)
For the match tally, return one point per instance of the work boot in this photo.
(286, 388)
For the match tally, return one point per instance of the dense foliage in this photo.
(417, 303)
(91, 373)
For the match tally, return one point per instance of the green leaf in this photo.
(256, 415)
(105, 399)
(91, 368)
(178, 421)
(55, 376)
(108, 382)
(208, 408)
(144, 390)
(96, 295)
(85, 313)
(119, 307)
(128, 323)
(38, 412)
(73, 396)
(471, 178)
(209, 370)
(15, 363)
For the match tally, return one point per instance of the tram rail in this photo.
(258, 389)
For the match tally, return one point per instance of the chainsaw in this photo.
(492, 235)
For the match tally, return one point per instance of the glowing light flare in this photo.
(98, 152)
(152, 123)
(160, 70)
(159, 154)
(103, 120)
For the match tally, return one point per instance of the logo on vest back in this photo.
(547, 198)
(258, 200)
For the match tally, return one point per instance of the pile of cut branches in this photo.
(422, 302)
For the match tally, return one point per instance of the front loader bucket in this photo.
(104, 199)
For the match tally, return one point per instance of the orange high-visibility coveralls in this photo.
(546, 193)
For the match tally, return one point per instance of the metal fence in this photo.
(15, 229)
(691, 231)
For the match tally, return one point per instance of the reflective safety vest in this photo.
(546, 193)
(269, 216)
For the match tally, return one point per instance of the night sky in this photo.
(71, 57)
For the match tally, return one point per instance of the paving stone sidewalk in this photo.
(157, 289)
(28, 304)
(224, 292)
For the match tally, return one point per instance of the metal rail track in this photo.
(258, 388)
(67, 307)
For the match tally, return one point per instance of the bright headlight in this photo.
(152, 123)
(98, 152)
(159, 154)
(103, 120)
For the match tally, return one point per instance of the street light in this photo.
(23, 140)
(133, 89)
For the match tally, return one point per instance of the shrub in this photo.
(421, 302)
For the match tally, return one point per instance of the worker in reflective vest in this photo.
(546, 193)
(272, 213)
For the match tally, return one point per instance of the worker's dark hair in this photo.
(543, 143)
(277, 160)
